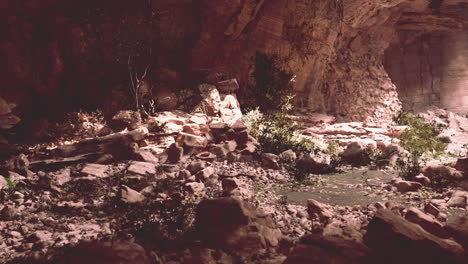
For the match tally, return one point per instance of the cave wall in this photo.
(63, 53)
(432, 70)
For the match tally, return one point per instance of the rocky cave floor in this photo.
(200, 192)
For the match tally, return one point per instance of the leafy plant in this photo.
(421, 139)
(439, 181)
(409, 166)
(378, 159)
(275, 131)
(10, 183)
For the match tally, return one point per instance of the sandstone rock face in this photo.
(430, 71)
(335, 48)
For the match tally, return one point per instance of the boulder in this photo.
(146, 156)
(431, 209)
(196, 166)
(205, 173)
(315, 163)
(4, 107)
(457, 226)
(318, 210)
(218, 127)
(191, 141)
(141, 168)
(222, 150)
(392, 152)
(195, 187)
(394, 239)
(185, 175)
(458, 199)
(429, 223)
(97, 170)
(288, 156)
(320, 249)
(357, 154)
(105, 253)
(235, 188)
(193, 129)
(435, 172)
(423, 180)
(348, 229)
(406, 186)
(249, 149)
(234, 225)
(130, 196)
(8, 121)
(270, 161)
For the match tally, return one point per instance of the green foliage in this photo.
(420, 139)
(378, 159)
(298, 172)
(409, 166)
(271, 82)
(11, 185)
(275, 132)
(439, 181)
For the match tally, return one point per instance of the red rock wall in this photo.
(432, 70)
(75, 53)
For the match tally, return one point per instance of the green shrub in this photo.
(409, 166)
(275, 131)
(421, 139)
(11, 184)
(439, 181)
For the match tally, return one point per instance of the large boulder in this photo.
(434, 172)
(458, 199)
(315, 163)
(318, 210)
(428, 222)
(406, 186)
(319, 249)
(457, 226)
(234, 225)
(357, 153)
(393, 239)
(115, 252)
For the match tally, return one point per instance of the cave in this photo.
(233, 131)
